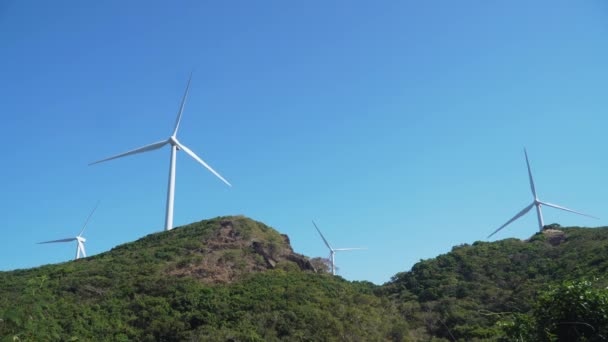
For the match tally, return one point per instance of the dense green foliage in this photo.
(572, 311)
(234, 279)
(267, 306)
(152, 290)
(462, 295)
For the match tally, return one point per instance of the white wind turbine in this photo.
(175, 146)
(80, 252)
(332, 251)
(536, 203)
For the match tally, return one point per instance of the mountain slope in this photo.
(235, 279)
(464, 293)
(228, 278)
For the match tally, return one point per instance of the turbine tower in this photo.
(80, 252)
(175, 146)
(332, 251)
(536, 203)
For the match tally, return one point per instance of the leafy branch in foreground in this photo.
(571, 311)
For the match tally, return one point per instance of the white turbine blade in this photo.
(146, 148)
(348, 249)
(191, 154)
(322, 237)
(88, 218)
(62, 240)
(566, 209)
(520, 214)
(530, 175)
(181, 107)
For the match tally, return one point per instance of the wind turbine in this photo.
(536, 203)
(332, 251)
(80, 252)
(175, 146)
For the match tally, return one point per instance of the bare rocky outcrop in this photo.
(234, 250)
(554, 236)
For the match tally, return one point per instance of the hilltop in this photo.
(232, 278)
(216, 251)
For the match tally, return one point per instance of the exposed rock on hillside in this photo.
(554, 236)
(237, 246)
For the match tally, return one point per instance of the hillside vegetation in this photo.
(223, 279)
(467, 293)
(235, 279)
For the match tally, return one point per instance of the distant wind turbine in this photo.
(332, 251)
(536, 203)
(175, 146)
(80, 252)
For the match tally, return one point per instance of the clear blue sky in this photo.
(398, 125)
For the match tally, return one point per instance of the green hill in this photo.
(462, 295)
(228, 278)
(235, 279)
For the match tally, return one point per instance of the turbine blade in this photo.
(520, 214)
(181, 107)
(146, 148)
(191, 154)
(62, 240)
(88, 218)
(566, 209)
(349, 249)
(530, 175)
(323, 237)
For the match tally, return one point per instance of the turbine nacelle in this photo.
(173, 141)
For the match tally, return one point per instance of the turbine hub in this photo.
(81, 239)
(173, 141)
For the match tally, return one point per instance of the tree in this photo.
(572, 311)
(322, 265)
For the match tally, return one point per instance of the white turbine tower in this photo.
(536, 203)
(175, 146)
(80, 252)
(332, 251)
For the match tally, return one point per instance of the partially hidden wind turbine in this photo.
(332, 251)
(536, 203)
(175, 146)
(80, 252)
